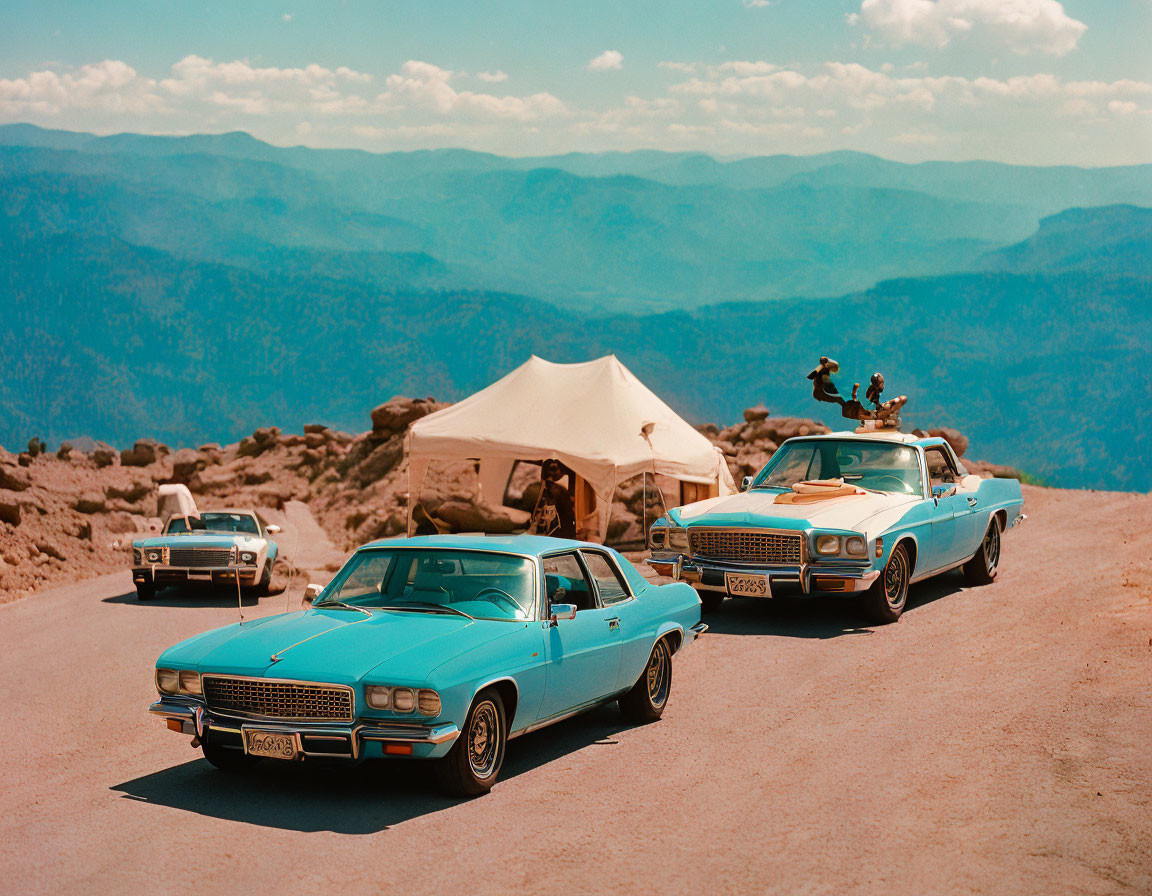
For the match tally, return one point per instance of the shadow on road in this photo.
(351, 799)
(189, 597)
(817, 617)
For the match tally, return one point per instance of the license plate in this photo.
(273, 744)
(744, 585)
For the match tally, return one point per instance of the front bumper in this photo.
(160, 576)
(811, 578)
(366, 738)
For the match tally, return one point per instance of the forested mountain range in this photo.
(194, 288)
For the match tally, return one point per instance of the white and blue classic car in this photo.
(864, 513)
(216, 547)
(438, 648)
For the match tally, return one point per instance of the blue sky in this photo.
(1035, 81)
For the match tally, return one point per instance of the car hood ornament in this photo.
(882, 414)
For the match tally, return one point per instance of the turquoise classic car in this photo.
(857, 513)
(439, 648)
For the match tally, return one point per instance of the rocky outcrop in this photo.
(955, 438)
(14, 479)
(398, 413)
(143, 453)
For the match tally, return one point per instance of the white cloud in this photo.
(425, 87)
(609, 60)
(756, 4)
(492, 77)
(287, 17)
(1022, 25)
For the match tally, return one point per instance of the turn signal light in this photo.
(398, 749)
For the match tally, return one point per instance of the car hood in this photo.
(207, 540)
(335, 645)
(757, 508)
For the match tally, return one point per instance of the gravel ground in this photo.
(995, 740)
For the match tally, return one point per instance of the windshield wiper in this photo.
(424, 607)
(341, 605)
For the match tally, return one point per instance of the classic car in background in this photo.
(843, 513)
(215, 547)
(436, 647)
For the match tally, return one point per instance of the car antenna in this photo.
(233, 560)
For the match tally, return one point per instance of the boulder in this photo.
(141, 454)
(186, 463)
(260, 441)
(953, 437)
(24, 459)
(132, 492)
(9, 512)
(315, 440)
(751, 415)
(380, 462)
(119, 521)
(314, 428)
(36, 446)
(466, 516)
(64, 452)
(398, 413)
(14, 479)
(104, 455)
(46, 547)
(91, 502)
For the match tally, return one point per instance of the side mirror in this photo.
(311, 592)
(272, 530)
(943, 490)
(745, 483)
(562, 611)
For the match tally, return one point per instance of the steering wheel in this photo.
(903, 486)
(499, 594)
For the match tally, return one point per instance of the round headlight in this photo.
(403, 699)
(167, 681)
(854, 545)
(828, 544)
(378, 697)
(657, 536)
(429, 703)
(247, 556)
(190, 683)
(153, 556)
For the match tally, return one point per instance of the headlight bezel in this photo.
(249, 558)
(856, 546)
(154, 555)
(826, 544)
(179, 682)
(412, 700)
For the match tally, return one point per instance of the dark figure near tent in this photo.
(555, 511)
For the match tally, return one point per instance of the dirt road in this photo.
(995, 740)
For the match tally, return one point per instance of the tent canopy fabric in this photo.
(595, 417)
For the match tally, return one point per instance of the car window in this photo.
(176, 525)
(566, 583)
(940, 469)
(608, 582)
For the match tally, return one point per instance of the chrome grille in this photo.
(199, 556)
(288, 700)
(747, 546)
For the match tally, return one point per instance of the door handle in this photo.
(614, 622)
(972, 501)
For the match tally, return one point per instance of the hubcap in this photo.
(484, 740)
(992, 548)
(896, 580)
(659, 675)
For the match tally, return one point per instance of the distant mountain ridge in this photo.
(194, 288)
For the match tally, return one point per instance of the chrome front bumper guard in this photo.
(695, 572)
(195, 720)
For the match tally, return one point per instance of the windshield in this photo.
(478, 583)
(875, 466)
(215, 522)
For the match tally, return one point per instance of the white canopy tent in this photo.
(597, 418)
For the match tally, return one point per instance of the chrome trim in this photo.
(435, 734)
(232, 713)
(799, 534)
(1019, 519)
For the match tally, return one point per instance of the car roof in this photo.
(534, 545)
(897, 438)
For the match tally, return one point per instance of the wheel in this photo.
(265, 578)
(224, 758)
(473, 763)
(648, 697)
(145, 592)
(981, 569)
(710, 601)
(884, 601)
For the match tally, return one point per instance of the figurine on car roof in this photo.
(886, 414)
